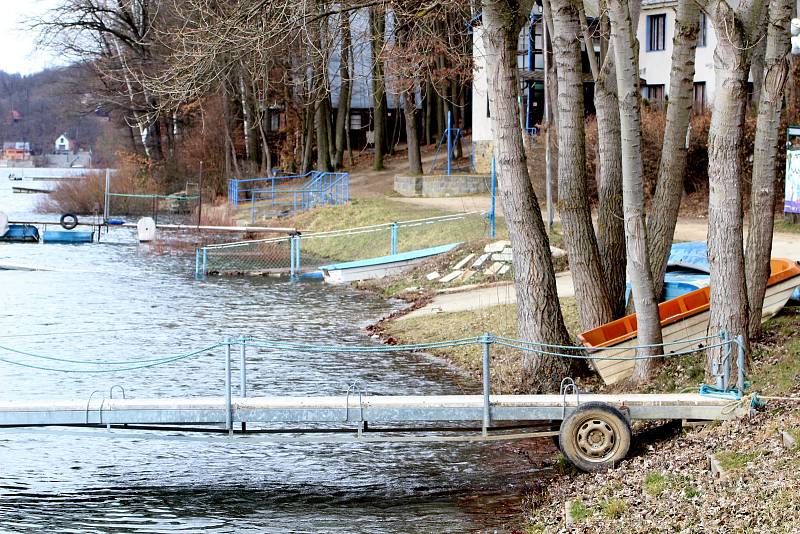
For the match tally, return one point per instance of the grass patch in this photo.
(690, 491)
(613, 508)
(579, 511)
(731, 461)
(499, 320)
(655, 484)
(378, 211)
(776, 358)
(782, 225)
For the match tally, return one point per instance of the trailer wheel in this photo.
(595, 436)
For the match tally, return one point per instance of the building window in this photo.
(656, 32)
(701, 36)
(699, 103)
(655, 95)
(355, 121)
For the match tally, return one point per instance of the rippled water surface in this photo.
(122, 300)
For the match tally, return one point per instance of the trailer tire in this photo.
(69, 221)
(595, 436)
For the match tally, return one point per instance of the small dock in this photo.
(349, 410)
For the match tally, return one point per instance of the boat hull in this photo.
(379, 267)
(21, 233)
(679, 332)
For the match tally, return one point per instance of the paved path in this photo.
(783, 246)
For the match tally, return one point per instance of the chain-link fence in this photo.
(178, 208)
(304, 253)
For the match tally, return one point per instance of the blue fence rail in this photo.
(290, 193)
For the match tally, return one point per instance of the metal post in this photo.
(487, 415)
(253, 206)
(228, 405)
(243, 373)
(205, 261)
(197, 263)
(449, 143)
(740, 363)
(718, 368)
(291, 257)
(106, 206)
(297, 254)
(394, 238)
(494, 190)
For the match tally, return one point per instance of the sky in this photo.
(18, 53)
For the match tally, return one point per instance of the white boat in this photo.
(683, 319)
(371, 268)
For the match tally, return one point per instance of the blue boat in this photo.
(688, 269)
(21, 233)
(67, 236)
(380, 266)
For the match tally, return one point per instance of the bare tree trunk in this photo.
(538, 310)
(342, 127)
(626, 52)
(757, 63)
(729, 308)
(308, 141)
(247, 116)
(669, 188)
(430, 106)
(321, 119)
(610, 227)
(412, 133)
(591, 291)
(378, 28)
(230, 147)
(762, 196)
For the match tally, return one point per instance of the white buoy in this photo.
(3, 223)
(147, 229)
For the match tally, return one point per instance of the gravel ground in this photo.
(668, 487)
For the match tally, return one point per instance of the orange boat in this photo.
(682, 319)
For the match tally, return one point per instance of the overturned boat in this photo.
(381, 266)
(683, 320)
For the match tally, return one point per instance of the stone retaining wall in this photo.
(442, 185)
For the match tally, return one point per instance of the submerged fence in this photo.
(289, 193)
(303, 253)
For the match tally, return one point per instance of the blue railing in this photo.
(291, 193)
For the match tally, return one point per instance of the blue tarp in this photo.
(694, 255)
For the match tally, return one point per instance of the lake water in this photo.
(119, 299)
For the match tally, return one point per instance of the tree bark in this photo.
(729, 307)
(762, 195)
(342, 127)
(308, 141)
(321, 119)
(626, 54)
(669, 188)
(591, 291)
(377, 17)
(538, 310)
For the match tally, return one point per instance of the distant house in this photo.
(64, 145)
(19, 151)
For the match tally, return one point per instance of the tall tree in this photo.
(610, 227)
(737, 30)
(762, 195)
(626, 51)
(538, 310)
(591, 291)
(669, 187)
(377, 19)
(343, 128)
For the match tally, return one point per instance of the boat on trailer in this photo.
(380, 266)
(683, 320)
